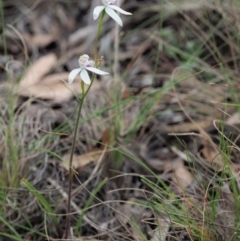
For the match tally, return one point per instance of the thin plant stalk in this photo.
(84, 94)
(98, 34)
(70, 178)
(3, 28)
(116, 51)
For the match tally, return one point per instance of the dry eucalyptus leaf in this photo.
(182, 177)
(39, 40)
(79, 161)
(53, 88)
(93, 155)
(38, 70)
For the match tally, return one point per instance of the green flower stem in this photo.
(70, 178)
(3, 28)
(84, 94)
(98, 34)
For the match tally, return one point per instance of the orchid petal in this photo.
(113, 15)
(96, 71)
(85, 77)
(97, 11)
(119, 9)
(73, 74)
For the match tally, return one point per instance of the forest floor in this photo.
(157, 155)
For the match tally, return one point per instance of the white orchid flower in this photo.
(109, 7)
(85, 64)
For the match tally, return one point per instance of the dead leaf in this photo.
(53, 88)
(182, 177)
(79, 161)
(37, 71)
(161, 232)
(210, 153)
(234, 119)
(39, 40)
(94, 155)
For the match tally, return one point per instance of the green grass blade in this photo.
(41, 200)
(16, 235)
